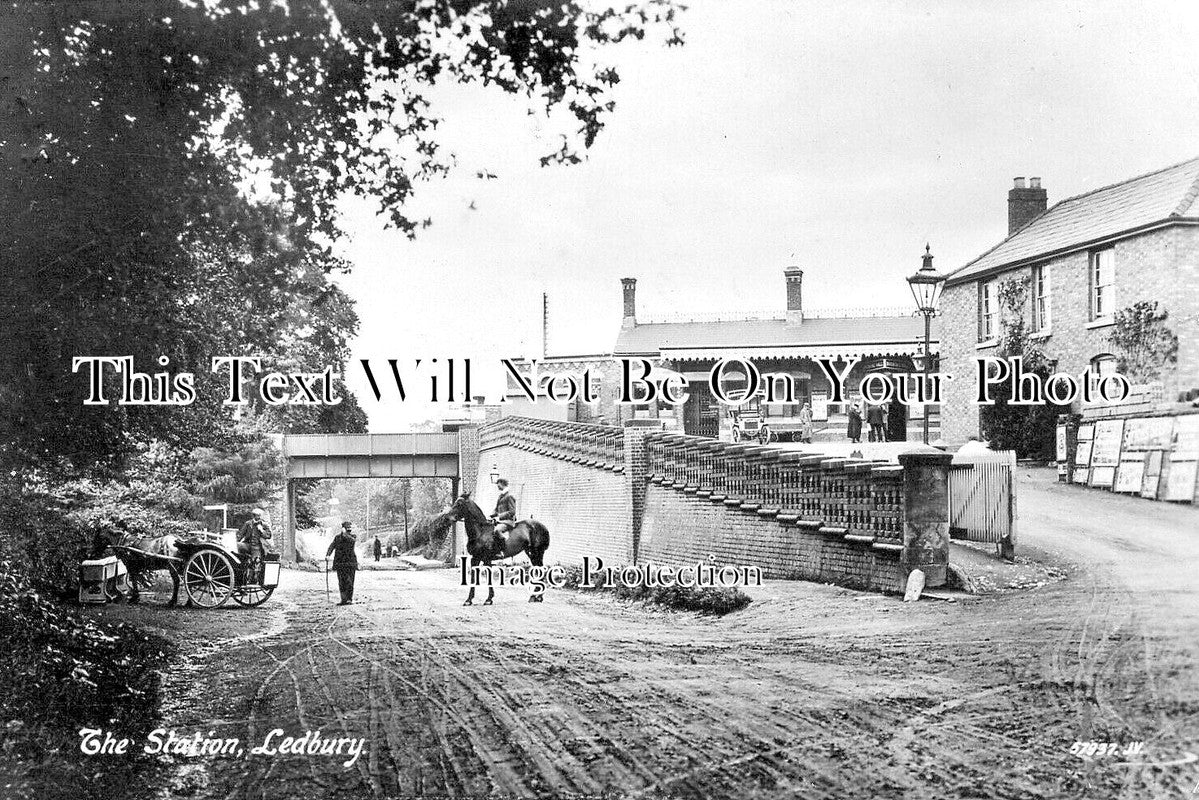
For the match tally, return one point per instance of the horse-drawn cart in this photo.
(210, 568)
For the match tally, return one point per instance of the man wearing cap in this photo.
(254, 535)
(505, 513)
(345, 561)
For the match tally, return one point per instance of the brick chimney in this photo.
(629, 285)
(1025, 203)
(794, 276)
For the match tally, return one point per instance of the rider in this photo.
(505, 513)
(252, 535)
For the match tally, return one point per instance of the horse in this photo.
(483, 544)
(142, 555)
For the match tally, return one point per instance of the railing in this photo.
(599, 446)
(861, 501)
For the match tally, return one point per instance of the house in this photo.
(1085, 259)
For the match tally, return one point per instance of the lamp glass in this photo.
(926, 288)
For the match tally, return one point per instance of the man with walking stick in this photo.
(345, 562)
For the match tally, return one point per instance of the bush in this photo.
(64, 672)
(716, 601)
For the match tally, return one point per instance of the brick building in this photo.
(1085, 258)
(786, 343)
(789, 343)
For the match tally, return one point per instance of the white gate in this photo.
(982, 498)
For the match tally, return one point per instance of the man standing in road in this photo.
(378, 548)
(345, 561)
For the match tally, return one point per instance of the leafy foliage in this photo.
(1027, 429)
(65, 672)
(1144, 344)
(716, 601)
(191, 156)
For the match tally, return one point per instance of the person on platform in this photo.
(378, 548)
(345, 561)
(805, 423)
(876, 419)
(505, 513)
(855, 422)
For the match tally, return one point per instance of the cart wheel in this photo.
(251, 596)
(208, 578)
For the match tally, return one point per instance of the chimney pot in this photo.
(1024, 204)
(794, 277)
(629, 288)
(1018, 183)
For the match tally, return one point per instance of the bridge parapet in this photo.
(869, 505)
(651, 495)
(598, 446)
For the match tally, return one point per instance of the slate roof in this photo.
(1165, 195)
(650, 338)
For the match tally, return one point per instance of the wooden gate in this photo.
(982, 499)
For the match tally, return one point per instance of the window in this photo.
(1103, 283)
(1040, 299)
(988, 305)
(1103, 365)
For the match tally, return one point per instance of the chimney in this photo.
(794, 276)
(1024, 204)
(629, 285)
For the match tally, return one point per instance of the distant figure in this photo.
(378, 548)
(855, 422)
(345, 561)
(875, 418)
(805, 423)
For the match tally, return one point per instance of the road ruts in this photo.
(813, 692)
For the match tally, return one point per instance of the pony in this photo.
(484, 546)
(141, 556)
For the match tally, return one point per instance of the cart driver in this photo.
(253, 535)
(505, 512)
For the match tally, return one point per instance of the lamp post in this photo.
(926, 288)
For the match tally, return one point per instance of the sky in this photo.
(836, 137)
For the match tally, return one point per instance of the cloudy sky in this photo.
(836, 137)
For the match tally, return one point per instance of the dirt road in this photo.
(813, 691)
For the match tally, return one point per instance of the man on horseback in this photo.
(505, 514)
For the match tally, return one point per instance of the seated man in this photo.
(251, 539)
(505, 512)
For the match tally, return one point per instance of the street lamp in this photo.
(926, 288)
(494, 474)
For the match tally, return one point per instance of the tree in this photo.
(188, 157)
(1144, 343)
(1027, 429)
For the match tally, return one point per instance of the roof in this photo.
(652, 338)
(1169, 194)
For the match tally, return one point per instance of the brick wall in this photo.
(638, 494)
(587, 509)
(682, 529)
(1161, 265)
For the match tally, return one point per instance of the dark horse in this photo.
(484, 546)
